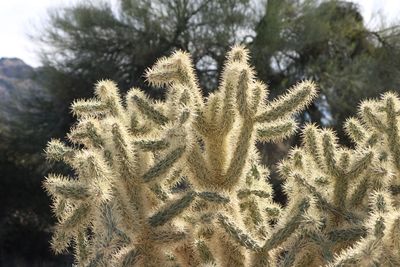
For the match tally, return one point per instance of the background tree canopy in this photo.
(290, 40)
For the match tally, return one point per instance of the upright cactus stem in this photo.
(124, 205)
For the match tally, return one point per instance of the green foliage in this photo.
(119, 42)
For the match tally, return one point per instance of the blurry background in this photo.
(53, 51)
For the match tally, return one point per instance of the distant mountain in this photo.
(15, 77)
(15, 68)
(22, 101)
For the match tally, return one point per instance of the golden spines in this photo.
(290, 103)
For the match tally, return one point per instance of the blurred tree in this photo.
(95, 40)
(92, 40)
(328, 42)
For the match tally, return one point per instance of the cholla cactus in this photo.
(354, 216)
(120, 208)
(377, 129)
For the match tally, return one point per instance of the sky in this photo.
(19, 18)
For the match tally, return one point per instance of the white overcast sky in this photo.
(18, 18)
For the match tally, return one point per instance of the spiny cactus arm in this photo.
(347, 234)
(176, 69)
(162, 166)
(213, 197)
(237, 234)
(341, 182)
(366, 252)
(187, 254)
(58, 151)
(258, 96)
(294, 249)
(343, 159)
(137, 127)
(171, 210)
(199, 172)
(329, 147)
(280, 234)
(175, 207)
(203, 125)
(355, 130)
(253, 217)
(235, 76)
(227, 93)
(360, 192)
(59, 206)
(81, 248)
(276, 132)
(236, 79)
(121, 171)
(146, 107)
(107, 101)
(293, 101)
(391, 238)
(370, 118)
(255, 201)
(240, 155)
(205, 254)
(91, 107)
(107, 92)
(107, 226)
(124, 153)
(216, 151)
(127, 257)
(152, 145)
(86, 194)
(243, 96)
(360, 164)
(227, 113)
(297, 160)
(86, 132)
(238, 53)
(312, 143)
(324, 203)
(60, 241)
(369, 250)
(308, 248)
(168, 236)
(392, 107)
(92, 169)
(247, 192)
(343, 166)
(65, 187)
(289, 226)
(76, 219)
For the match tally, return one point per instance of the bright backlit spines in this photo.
(126, 204)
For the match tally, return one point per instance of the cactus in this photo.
(120, 208)
(179, 182)
(354, 219)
